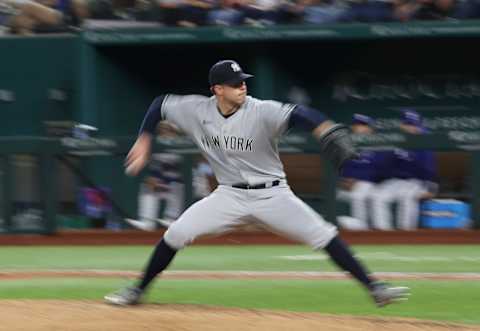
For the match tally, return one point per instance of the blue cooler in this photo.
(444, 213)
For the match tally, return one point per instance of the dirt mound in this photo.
(51, 315)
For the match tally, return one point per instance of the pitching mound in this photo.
(43, 315)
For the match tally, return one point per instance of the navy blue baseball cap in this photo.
(226, 72)
(362, 119)
(411, 117)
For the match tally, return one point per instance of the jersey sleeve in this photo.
(180, 110)
(276, 115)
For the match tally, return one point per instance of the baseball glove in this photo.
(337, 145)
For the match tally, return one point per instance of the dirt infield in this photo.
(51, 315)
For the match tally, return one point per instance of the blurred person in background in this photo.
(116, 10)
(467, 9)
(203, 179)
(261, 12)
(111, 10)
(412, 179)
(27, 16)
(227, 13)
(6, 12)
(435, 9)
(195, 12)
(81, 10)
(358, 178)
(322, 11)
(369, 11)
(203, 182)
(291, 12)
(169, 12)
(184, 13)
(128, 10)
(164, 183)
(406, 10)
(43, 16)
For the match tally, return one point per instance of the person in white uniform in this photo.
(359, 177)
(238, 135)
(164, 183)
(412, 178)
(357, 180)
(203, 180)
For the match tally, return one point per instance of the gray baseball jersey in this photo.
(241, 149)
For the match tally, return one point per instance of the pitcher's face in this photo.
(234, 94)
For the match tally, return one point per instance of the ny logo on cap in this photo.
(235, 67)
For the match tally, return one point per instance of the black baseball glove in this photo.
(337, 145)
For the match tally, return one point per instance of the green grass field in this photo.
(440, 300)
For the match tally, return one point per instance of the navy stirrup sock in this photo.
(159, 261)
(343, 257)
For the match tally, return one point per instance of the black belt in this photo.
(258, 186)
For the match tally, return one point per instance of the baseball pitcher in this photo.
(238, 135)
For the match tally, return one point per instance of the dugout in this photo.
(373, 69)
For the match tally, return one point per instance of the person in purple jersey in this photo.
(358, 178)
(413, 178)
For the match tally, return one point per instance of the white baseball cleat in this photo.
(142, 225)
(384, 294)
(124, 297)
